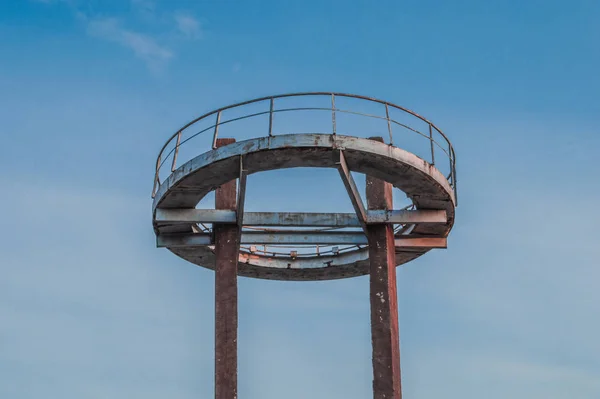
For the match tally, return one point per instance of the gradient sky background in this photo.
(90, 90)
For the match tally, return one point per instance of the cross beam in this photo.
(188, 216)
(298, 238)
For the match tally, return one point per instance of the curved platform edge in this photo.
(421, 181)
(305, 141)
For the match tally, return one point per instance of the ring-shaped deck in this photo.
(188, 184)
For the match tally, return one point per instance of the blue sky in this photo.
(89, 91)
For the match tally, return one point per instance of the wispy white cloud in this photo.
(188, 25)
(143, 46)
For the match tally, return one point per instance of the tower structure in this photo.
(304, 246)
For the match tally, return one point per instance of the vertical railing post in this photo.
(454, 176)
(271, 117)
(156, 177)
(176, 152)
(387, 116)
(333, 112)
(154, 186)
(216, 133)
(431, 145)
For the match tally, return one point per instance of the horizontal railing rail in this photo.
(176, 139)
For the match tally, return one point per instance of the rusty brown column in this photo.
(384, 301)
(227, 247)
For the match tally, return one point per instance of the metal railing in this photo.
(176, 138)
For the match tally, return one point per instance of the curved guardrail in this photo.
(178, 139)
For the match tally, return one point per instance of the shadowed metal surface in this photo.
(187, 185)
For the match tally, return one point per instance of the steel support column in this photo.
(384, 303)
(227, 247)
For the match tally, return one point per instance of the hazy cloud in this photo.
(143, 46)
(188, 25)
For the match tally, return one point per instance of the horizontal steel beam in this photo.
(297, 238)
(257, 237)
(407, 217)
(196, 216)
(298, 219)
(420, 242)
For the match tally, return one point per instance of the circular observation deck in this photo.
(305, 246)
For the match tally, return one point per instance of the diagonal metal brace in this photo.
(241, 194)
(352, 190)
